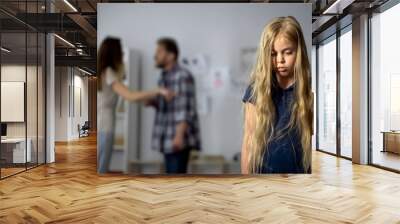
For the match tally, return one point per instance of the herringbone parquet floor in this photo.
(70, 191)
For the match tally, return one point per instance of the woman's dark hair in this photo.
(170, 46)
(109, 55)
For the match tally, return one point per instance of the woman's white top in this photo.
(107, 101)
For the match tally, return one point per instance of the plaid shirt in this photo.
(181, 108)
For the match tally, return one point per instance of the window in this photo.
(313, 88)
(346, 92)
(327, 95)
(385, 89)
(22, 80)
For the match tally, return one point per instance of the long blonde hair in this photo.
(263, 80)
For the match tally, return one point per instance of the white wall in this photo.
(218, 30)
(66, 121)
(61, 103)
(33, 126)
(80, 83)
(12, 73)
(17, 73)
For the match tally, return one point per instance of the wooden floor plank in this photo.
(70, 191)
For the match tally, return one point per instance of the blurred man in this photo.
(176, 126)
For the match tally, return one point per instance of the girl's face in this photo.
(283, 56)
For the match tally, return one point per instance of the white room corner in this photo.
(71, 102)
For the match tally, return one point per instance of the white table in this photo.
(19, 155)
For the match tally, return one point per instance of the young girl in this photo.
(278, 103)
(111, 70)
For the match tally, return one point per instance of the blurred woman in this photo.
(110, 86)
(278, 103)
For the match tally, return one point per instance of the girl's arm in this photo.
(127, 94)
(249, 128)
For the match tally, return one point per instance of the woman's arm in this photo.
(249, 128)
(127, 94)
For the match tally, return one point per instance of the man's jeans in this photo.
(177, 162)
